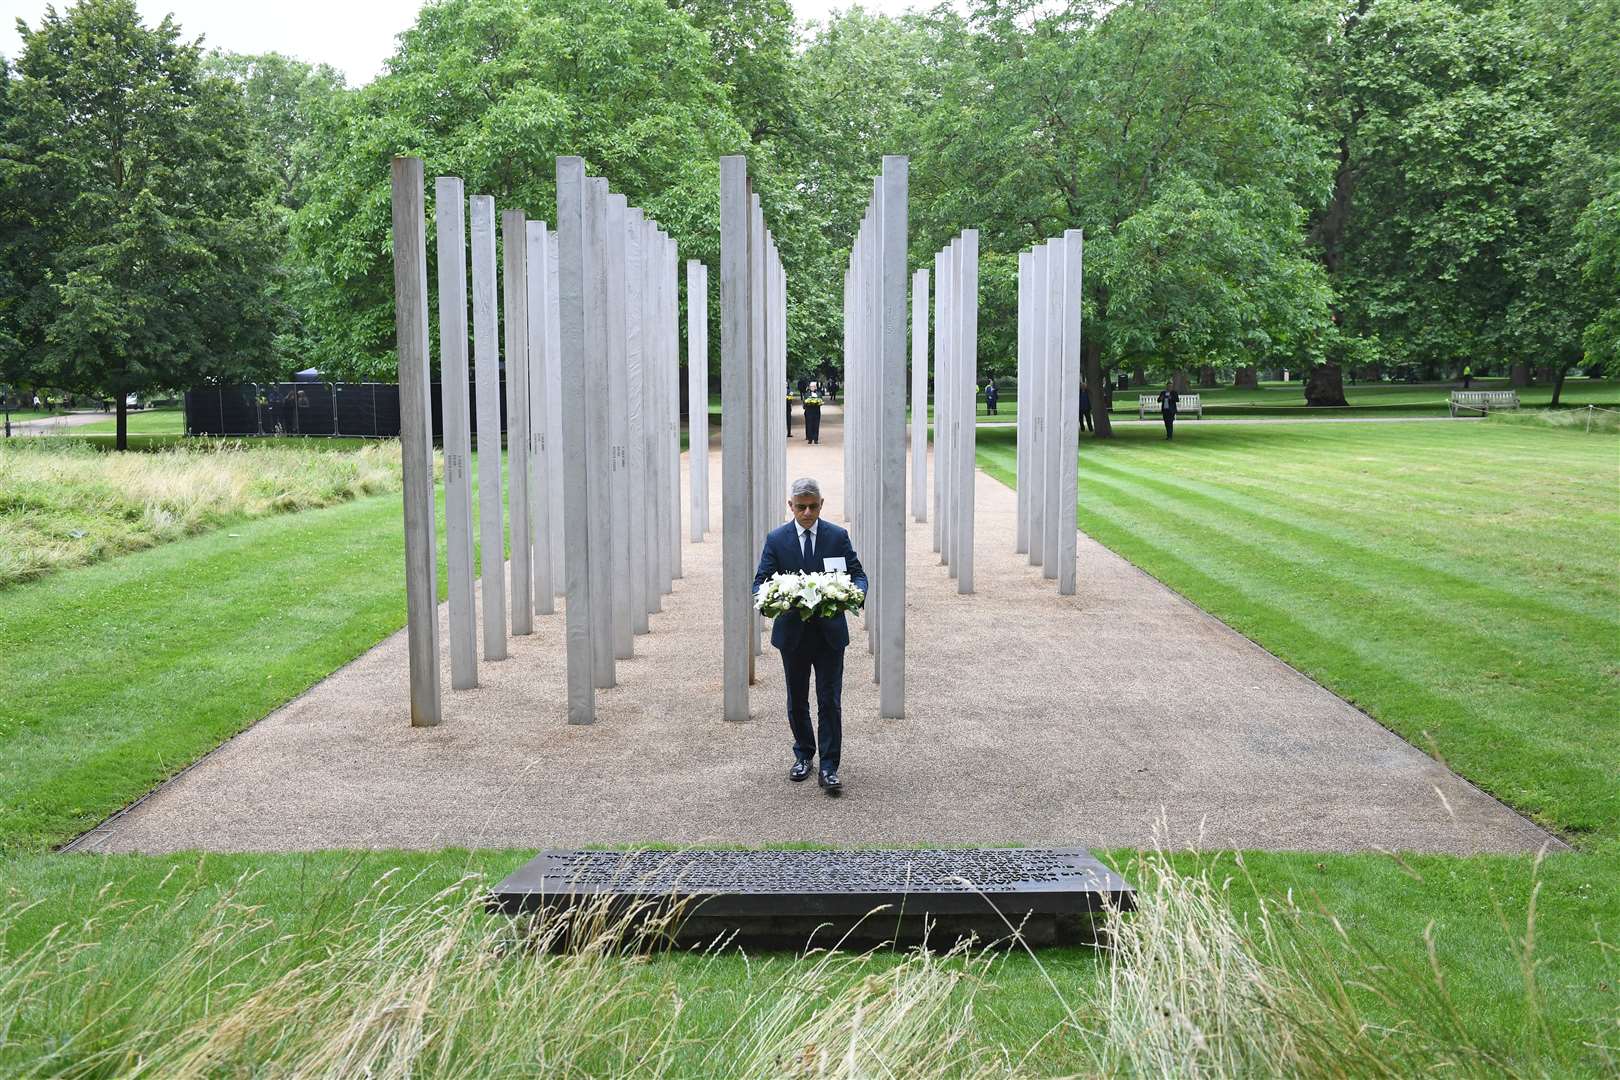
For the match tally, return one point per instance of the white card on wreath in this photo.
(835, 566)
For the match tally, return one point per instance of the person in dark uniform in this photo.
(807, 543)
(790, 412)
(991, 396)
(1085, 409)
(1168, 399)
(812, 415)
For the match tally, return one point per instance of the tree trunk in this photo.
(1206, 377)
(1138, 377)
(1179, 381)
(1519, 375)
(1324, 385)
(1091, 363)
(1558, 383)
(1247, 378)
(123, 421)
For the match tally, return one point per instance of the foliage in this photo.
(137, 231)
(493, 91)
(1458, 185)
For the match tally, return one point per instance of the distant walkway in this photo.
(1031, 718)
(54, 425)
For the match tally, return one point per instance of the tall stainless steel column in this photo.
(1052, 443)
(1024, 404)
(450, 210)
(892, 449)
(1037, 397)
(554, 424)
(515, 289)
(542, 437)
(697, 395)
(736, 437)
(967, 381)
(1069, 449)
(572, 274)
(672, 445)
(599, 444)
(919, 395)
(416, 440)
(487, 361)
(637, 335)
(618, 429)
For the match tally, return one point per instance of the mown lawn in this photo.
(168, 420)
(1457, 581)
(122, 673)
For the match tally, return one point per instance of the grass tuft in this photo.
(394, 986)
(63, 503)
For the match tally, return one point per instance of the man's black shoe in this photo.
(800, 770)
(830, 782)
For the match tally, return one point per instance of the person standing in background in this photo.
(812, 415)
(1168, 399)
(1085, 409)
(991, 396)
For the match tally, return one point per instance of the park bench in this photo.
(1483, 401)
(1189, 404)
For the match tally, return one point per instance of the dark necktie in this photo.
(809, 547)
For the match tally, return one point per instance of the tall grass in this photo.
(441, 988)
(415, 982)
(64, 504)
(1588, 419)
(1192, 989)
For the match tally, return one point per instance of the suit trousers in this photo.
(814, 654)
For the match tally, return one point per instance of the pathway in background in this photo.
(55, 425)
(1030, 718)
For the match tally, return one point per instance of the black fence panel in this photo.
(363, 410)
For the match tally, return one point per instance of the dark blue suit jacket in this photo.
(782, 555)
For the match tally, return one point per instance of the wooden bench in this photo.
(1483, 401)
(1149, 403)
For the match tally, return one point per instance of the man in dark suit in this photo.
(1168, 400)
(808, 544)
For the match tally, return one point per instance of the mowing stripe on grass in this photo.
(1427, 592)
(1411, 570)
(121, 674)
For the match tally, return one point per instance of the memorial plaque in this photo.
(785, 897)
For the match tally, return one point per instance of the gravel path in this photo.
(1031, 718)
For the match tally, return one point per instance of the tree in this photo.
(1167, 130)
(1449, 232)
(284, 100)
(493, 91)
(136, 223)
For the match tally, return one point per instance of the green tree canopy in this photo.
(136, 227)
(493, 91)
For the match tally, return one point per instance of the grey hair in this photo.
(804, 486)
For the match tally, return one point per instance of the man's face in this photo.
(806, 509)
